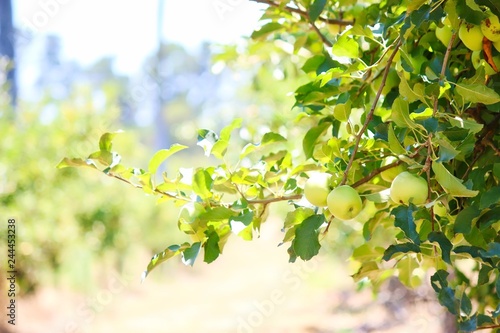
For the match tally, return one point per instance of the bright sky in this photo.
(127, 29)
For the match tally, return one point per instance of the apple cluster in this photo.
(474, 37)
(345, 203)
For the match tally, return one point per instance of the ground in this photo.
(250, 289)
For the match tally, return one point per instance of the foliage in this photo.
(67, 226)
(379, 83)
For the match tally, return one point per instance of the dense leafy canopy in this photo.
(378, 81)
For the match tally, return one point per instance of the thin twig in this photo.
(305, 14)
(375, 172)
(307, 17)
(275, 199)
(369, 116)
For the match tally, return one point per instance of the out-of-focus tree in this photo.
(7, 45)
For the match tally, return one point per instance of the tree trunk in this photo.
(7, 41)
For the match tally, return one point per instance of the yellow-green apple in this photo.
(317, 188)
(406, 188)
(472, 36)
(344, 202)
(389, 174)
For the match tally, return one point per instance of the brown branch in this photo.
(369, 116)
(276, 199)
(307, 17)
(141, 187)
(488, 327)
(320, 34)
(427, 168)
(375, 172)
(305, 14)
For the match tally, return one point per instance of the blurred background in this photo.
(159, 70)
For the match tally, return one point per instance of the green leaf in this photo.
(316, 8)
(311, 137)
(490, 197)
(405, 267)
(212, 250)
(239, 223)
(160, 156)
(477, 93)
(75, 162)
(206, 140)
(401, 114)
(105, 142)
(446, 151)
(268, 139)
(497, 285)
(468, 325)
(450, 183)
(406, 91)
(163, 256)
(312, 64)
(404, 220)
(469, 11)
(394, 143)
(400, 248)
(346, 47)
(220, 147)
(266, 30)
(444, 244)
(493, 251)
(447, 299)
(464, 220)
(202, 184)
(296, 216)
(190, 254)
(105, 157)
(439, 280)
(421, 15)
(465, 304)
(306, 244)
(494, 5)
(366, 252)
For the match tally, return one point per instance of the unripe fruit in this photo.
(344, 202)
(491, 27)
(407, 187)
(497, 45)
(472, 36)
(444, 34)
(389, 174)
(317, 188)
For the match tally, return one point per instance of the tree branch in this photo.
(375, 172)
(304, 14)
(276, 199)
(369, 116)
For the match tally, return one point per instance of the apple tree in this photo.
(396, 127)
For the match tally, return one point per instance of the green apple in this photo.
(476, 59)
(444, 34)
(472, 36)
(407, 187)
(389, 174)
(344, 202)
(491, 27)
(497, 45)
(317, 188)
